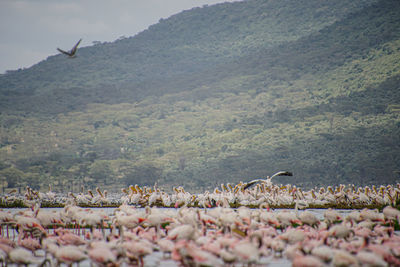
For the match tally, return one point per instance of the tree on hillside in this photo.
(145, 174)
(101, 171)
(13, 176)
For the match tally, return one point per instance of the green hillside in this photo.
(213, 95)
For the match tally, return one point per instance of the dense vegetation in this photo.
(213, 95)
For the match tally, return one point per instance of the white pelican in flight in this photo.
(268, 180)
(72, 52)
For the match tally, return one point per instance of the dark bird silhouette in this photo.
(72, 52)
(268, 180)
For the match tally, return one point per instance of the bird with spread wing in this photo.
(268, 180)
(71, 53)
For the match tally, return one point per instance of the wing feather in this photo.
(247, 185)
(282, 173)
(64, 52)
(73, 50)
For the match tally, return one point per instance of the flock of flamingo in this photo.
(219, 228)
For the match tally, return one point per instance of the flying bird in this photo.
(72, 52)
(268, 180)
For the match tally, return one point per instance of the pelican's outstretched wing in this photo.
(282, 173)
(247, 185)
(73, 50)
(64, 52)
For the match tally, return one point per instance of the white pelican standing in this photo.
(268, 180)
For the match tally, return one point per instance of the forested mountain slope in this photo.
(174, 50)
(215, 94)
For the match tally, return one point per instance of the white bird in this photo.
(71, 53)
(268, 180)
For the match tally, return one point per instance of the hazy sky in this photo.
(31, 30)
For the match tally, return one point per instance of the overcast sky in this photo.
(31, 30)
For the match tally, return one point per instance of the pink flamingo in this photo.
(29, 243)
(368, 258)
(391, 214)
(307, 261)
(191, 255)
(137, 250)
(102, 255)
(23, 256)
(185, 231)
(246, 251)
(65, 237)
(309, 218)
(332, 216)
(70, 254)
(344, 258)
(166, 245)
(323, 252)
